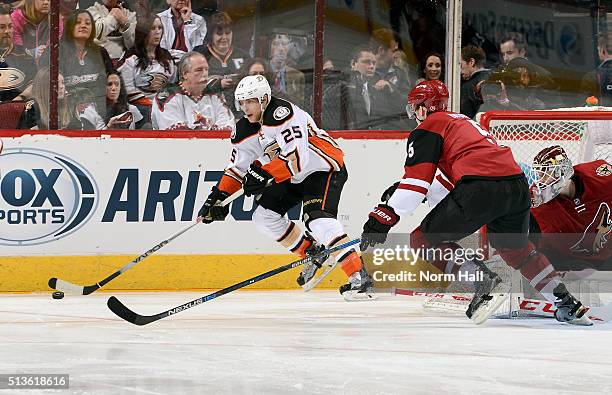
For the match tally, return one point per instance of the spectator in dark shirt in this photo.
(598, 82)
(17, 69)
(530, 86)
(512, 46)
(472, 72)
(389, 80)
(82, 62)
(224, 60)
(286, 79)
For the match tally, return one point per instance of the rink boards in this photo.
(79, 208)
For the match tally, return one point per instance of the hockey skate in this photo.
(307, 279)
(359, 287)
(569, 309)
(489, 294)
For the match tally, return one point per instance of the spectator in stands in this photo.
(472, 72)
(186, 106)
(67, 7)
(17, 69)
(31, 26)
(183, 29)
(286, 80)
(530, 86)
(349, 101)
(70, 115)
(36, 115)
(598, 82)
(400, 61)
(115, 27)
(148, 67)
(119, 114)
(512, 46)
(224, 60)
(328, 64)
(432, 67)
(389, 80)
(83, 63)
(142, 8)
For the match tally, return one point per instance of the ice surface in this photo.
(292, 342)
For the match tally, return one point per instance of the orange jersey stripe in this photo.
(229, 184)
(328, 148)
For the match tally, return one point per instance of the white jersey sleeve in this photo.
(246, 149)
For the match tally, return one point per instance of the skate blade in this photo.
(316, 280)
(356, 296)
(499, 294)
(582, 321)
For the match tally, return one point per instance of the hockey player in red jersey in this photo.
(489, 189)
(282, 157)
(571, 219)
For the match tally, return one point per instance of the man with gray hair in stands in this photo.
(188, 104)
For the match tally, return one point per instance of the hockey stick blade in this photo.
(73, 289)
(310, 285)
(124, 312)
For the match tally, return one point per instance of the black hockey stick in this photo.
(69, 288)
(122, 311)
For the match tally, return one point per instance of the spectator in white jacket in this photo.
(183, 29)
(187, 105)
(115, 27)
(148, 67)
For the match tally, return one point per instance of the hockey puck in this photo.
(57, 295)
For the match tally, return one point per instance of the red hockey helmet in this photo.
(432, 94)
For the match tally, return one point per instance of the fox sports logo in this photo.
(44, 196)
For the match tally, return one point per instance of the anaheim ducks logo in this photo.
(151, 82)
(595, 236)
(281, 113)
(604, 170)
(11, 78)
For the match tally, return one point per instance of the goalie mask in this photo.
(431, 94)
(253, 87)
(551, 171)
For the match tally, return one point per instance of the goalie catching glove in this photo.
(375, 230)
(212, 210)
(256, 180)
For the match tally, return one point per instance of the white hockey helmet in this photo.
(551, 171)
(253, 87)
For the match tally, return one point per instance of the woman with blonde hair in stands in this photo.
(31, 26)
(36, 114)
(71, 114)
(148, 67)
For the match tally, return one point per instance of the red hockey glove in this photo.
(376, 228)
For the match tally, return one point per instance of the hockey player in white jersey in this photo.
(282, 157)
